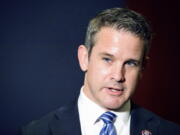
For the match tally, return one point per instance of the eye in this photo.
(132, 63)
(106, 59)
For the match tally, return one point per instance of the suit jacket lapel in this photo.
(66, 121)
(142, 120)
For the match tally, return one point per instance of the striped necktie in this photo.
(108, 128)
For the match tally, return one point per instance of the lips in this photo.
(114, 91)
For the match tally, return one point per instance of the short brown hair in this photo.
(120, 19)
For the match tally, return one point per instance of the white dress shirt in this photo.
(89, 112)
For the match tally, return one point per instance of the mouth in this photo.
(115, 91)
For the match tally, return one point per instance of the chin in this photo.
(114, 106)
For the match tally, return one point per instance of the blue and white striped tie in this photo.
(108, 128)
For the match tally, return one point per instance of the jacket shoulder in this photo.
(163, 126)
(162, 121)
(41, 126)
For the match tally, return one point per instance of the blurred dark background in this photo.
(39, 70)
(160, 88)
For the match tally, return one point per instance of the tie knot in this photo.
(108, 117)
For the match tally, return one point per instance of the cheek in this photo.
(100, 69)
(103, 71)
(132, 78)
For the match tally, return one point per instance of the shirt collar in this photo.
(90, 108)
(123, 114)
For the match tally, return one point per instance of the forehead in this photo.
(118, 42)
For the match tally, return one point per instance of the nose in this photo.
(118, 74)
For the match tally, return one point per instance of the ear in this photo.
(83, 57)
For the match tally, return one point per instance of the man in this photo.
(113, 58)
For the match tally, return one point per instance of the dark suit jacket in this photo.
(65, 121)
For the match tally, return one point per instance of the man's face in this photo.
(113, 69)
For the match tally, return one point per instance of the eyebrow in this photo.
(106, 54)
(135, 60)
